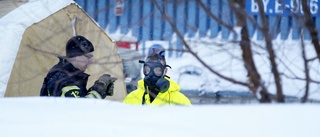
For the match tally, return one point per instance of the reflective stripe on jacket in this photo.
(172, 96)
(64, 80)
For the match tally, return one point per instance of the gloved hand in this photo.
(104, 85)
(110, 88)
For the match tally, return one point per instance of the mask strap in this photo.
(144, 95)
(162, 53)
(142, 62)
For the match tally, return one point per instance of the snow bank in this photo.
(65, 117)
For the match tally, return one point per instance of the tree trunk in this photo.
(272, 56)
(254, 78)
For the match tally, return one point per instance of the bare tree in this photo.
(306, 69)
(272, 56)
(309, 24)
(255, 83)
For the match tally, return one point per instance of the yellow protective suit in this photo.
(172, 96)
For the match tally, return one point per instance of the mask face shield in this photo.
(154, 65)
(155, 68)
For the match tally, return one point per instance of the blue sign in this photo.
(282, 7)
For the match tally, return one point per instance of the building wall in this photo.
(143, 19)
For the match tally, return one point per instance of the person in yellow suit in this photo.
(156, 88)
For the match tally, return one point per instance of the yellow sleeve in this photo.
(185, 101)
(133, 98)
(181, 99)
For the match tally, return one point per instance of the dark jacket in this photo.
(64, 80)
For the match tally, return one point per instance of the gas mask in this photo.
(153, 70)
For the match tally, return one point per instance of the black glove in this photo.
(104, 85)
(110, 88)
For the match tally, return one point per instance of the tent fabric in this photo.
(42, 42)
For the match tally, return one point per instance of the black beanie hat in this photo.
(78, 46)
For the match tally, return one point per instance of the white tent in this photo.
(39, 38)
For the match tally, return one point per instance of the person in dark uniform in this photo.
(68, 79)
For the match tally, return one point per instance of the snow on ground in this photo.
(223, 56)
(65, 117)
